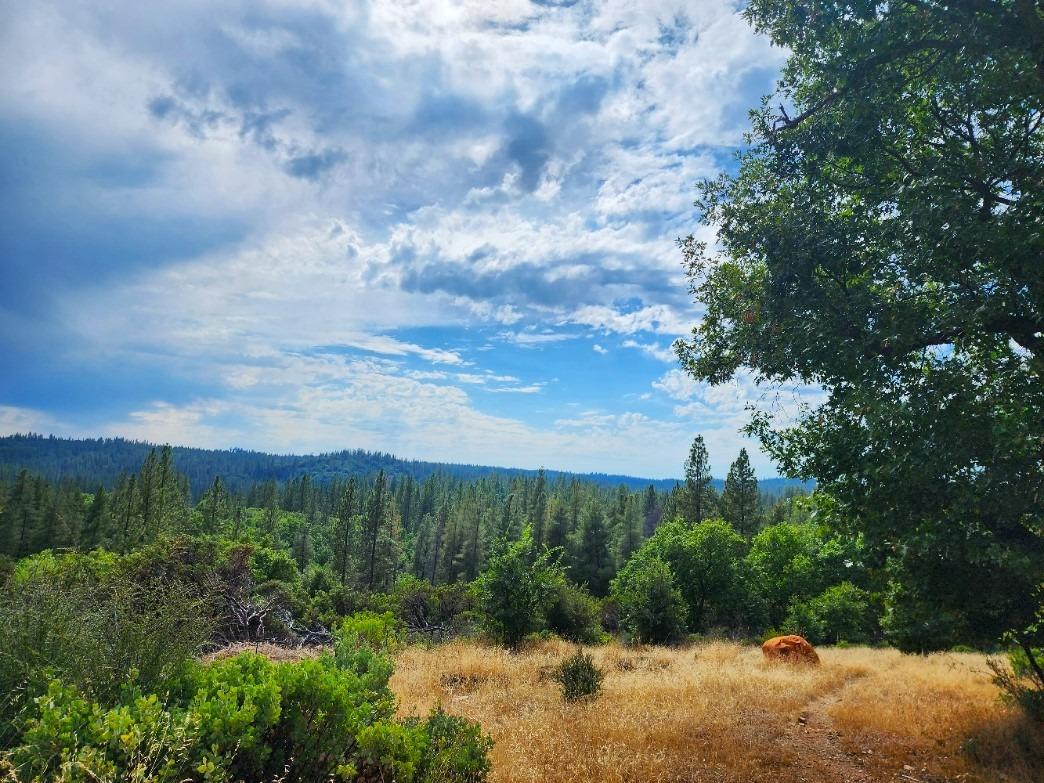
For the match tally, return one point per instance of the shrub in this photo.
(839, 613)
(579, 677)
(651, 606)
(437, 611)
(516, 589)
(575, 614)
(1020, 681)
(73, 739)
(77, 618)
(455, 750)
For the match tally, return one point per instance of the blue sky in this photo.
(439, 229)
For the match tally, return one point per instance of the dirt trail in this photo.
(817, 744)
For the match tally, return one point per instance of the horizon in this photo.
(448, 232)
(399, 457)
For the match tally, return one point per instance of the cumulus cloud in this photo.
(215, 195)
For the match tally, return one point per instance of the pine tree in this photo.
(697, 482)
(651, 511)
(373, 523)
(538, 511)
(592, 560)
(94, 522)
(740, 502)
(346, 533)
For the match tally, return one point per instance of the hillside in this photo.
(93, 461)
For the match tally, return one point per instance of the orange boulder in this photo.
(792, 649)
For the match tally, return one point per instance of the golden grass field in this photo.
(719, 712)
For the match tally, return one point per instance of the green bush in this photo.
(579, 677)
(575, 614)
(1020, 682)
(455, 750)
(516, 589)
(76, 740)
(839, 613)
(247, 718)
(80, 619)
(651, 608)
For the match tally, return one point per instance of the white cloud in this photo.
(659, 319)
(600, 349)
(654, 350)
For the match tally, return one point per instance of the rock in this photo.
(791, 649)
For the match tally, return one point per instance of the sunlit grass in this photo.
(719, 712)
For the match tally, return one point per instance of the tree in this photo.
(652, 608)
(373, 525)
(698, 491)
(707, 563)
(346, 532)
(789, 563)
(592, 558)
(740, 502)
(517, 588)
(881, 239)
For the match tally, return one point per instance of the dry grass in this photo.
(718, 712)
(273, 652)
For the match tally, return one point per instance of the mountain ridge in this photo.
(93, 461)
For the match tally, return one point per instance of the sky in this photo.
(444, 230)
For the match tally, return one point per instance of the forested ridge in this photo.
(91, 462)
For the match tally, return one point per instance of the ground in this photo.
(719, 712)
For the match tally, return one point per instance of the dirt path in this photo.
(817, 744)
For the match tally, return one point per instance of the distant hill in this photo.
(93, 461)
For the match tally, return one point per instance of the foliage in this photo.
(75, 740)
(516, 589)
(651, 607)
(247, 718)
(1021, 681)
(790, 563)
(881, 240)
(574, 614)
(455, 750)
(706, 561)
(579, 677)
(841, 613)
(80, 618)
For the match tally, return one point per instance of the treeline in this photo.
(90, 463)
(366, 531)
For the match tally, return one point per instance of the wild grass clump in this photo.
(579, 676)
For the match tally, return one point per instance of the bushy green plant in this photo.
(839, 613)
(516, 589)
(1021, 680)
(651, 608)
(579, 677)
(81, 619)
(238, 701)
(76, 740)
(455, 750)
(574, 614)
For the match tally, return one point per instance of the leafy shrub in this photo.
(651, 606)
(455, 750)
(1020, 681)
(574, 614)
(839, 613)
(516, 589)
(579, 677)
(78, 618)
(436, 611)
(73, 739)
(377, 632)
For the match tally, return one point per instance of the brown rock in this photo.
(792, 649)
